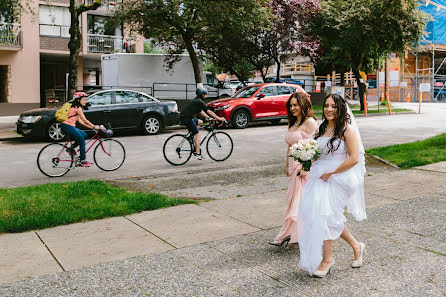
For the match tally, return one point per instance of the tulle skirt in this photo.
(321, 209)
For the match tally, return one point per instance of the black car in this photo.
(122, 109)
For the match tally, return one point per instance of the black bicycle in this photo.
(178, 148)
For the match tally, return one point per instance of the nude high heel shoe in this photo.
(285, 241)
(358, 263)
(323, 273)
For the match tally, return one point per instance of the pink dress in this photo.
(294, 193)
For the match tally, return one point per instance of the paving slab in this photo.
(22, 256)
(153, 275)
(243, 278)
(186, 225)
(405, 184)
(372, 200)
(440, 167)
(259, 186)
(94, 242)
(389, 269)
(262, 210)
(423, 216)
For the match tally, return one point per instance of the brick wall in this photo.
(55, 43)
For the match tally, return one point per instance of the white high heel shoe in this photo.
(323, 273)
(358, 263)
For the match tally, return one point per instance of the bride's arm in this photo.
(351, 142)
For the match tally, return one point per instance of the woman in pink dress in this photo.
(301, 124)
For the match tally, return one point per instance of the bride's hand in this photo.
(326, 176)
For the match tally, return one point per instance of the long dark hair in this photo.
(76, 103)
(305, 106)
(341, 121)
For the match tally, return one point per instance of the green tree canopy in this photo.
(354, 34)
(180, 25)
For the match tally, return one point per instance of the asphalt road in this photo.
(261, 144)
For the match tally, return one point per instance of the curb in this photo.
(385, 161)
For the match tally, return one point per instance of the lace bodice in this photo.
(339, 154)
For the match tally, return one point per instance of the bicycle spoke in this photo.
(54, 160)
(177, 150)
(219, 146)
(109, 154)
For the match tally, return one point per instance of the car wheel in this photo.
(240, 119)
(54, 132)
(152, 125)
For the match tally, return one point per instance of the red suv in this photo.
(261, 102)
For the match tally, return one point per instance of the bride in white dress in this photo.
(336, 181)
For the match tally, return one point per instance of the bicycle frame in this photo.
(93, 139)
(204, 138)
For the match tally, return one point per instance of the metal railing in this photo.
(109, 44)
(111, 4)
(11, 35)
(52, 30)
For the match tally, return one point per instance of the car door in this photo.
(127, 110)
(265, 107)
(100, 108)
(283, 93)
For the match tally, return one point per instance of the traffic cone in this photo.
(408, 99)
(382, 98)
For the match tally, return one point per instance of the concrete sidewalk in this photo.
(218, 248)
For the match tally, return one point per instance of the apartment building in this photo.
(34, 50)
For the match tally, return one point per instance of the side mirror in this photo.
(261, 95)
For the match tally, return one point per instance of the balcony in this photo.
(10, 36)
(110, 4)
(106, 44)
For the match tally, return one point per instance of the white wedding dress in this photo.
(321, 210)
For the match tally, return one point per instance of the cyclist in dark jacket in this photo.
(187, 118)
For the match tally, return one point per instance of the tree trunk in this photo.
(73, 45)
(361, 85)
(343, 78)
(278, 70)
(194, 59)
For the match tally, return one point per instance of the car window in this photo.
(126, 97)
(246, 92)
(283, 90)
(268, 91)
(103, 98)
(144, 98)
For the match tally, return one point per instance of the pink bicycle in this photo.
(56, 159)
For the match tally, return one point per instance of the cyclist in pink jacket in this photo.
(68, 127)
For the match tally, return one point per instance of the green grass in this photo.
(49, 205)
(356, 109)
(414, 154)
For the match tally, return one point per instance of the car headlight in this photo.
(222, 107)
(30, 119)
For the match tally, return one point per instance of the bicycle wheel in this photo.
(54, 160)
(219, 146)
(109, 154)
(177, 150)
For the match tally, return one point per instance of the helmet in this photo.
(201, 91)
(79, 95)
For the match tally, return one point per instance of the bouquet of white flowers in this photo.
(305, 151)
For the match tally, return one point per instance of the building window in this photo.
(102, 25)
(54, 21)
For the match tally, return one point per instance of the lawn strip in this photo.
(413, 154)
(42, 206)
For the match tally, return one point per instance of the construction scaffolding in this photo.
(424, 67)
